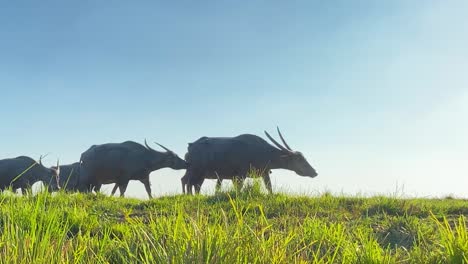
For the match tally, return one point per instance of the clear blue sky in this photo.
(374, 93)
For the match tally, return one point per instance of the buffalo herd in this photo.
(220, 158)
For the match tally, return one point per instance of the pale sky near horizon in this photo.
(375, 94)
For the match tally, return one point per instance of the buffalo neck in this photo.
(157, 160)
(277, 160)
(41, 173)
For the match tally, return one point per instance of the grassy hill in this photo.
(229, 227)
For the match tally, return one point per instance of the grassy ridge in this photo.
(246, 227)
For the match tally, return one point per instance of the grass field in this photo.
(230, 227)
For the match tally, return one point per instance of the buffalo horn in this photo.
(276, 143)
(41, 157)
(58, 166)
(163, 147)
(146, 144)
(282, 139)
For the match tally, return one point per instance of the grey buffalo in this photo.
(22, 172)
(121, 162)
(236, 157)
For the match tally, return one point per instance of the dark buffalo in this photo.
(121, 162)
(236, 157)
(22, 172)
(70, 179)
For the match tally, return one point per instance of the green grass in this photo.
(229, 227)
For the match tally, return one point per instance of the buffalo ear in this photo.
(287, 155)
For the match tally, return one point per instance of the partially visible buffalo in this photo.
(22, 172)
(70, 178)
(121, 162)
(236, 157)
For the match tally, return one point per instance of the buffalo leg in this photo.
(218, 185)
(25, 190)
(183, 186)
(267, 181)
(238, 183)
(122, 188)
(147, 184)
(184, 181)
(190, 183)
(96, 188)
(189, 188)
(198, 186)
(114, 189)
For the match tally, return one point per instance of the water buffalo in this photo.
(121, 162)
(22, 172)
(236, 157)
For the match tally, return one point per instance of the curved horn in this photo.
(276, 143)
(282, 139)
(41, 157)
(148, 147)
(163, 147)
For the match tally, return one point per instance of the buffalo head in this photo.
(168, 159)
(293, 160)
